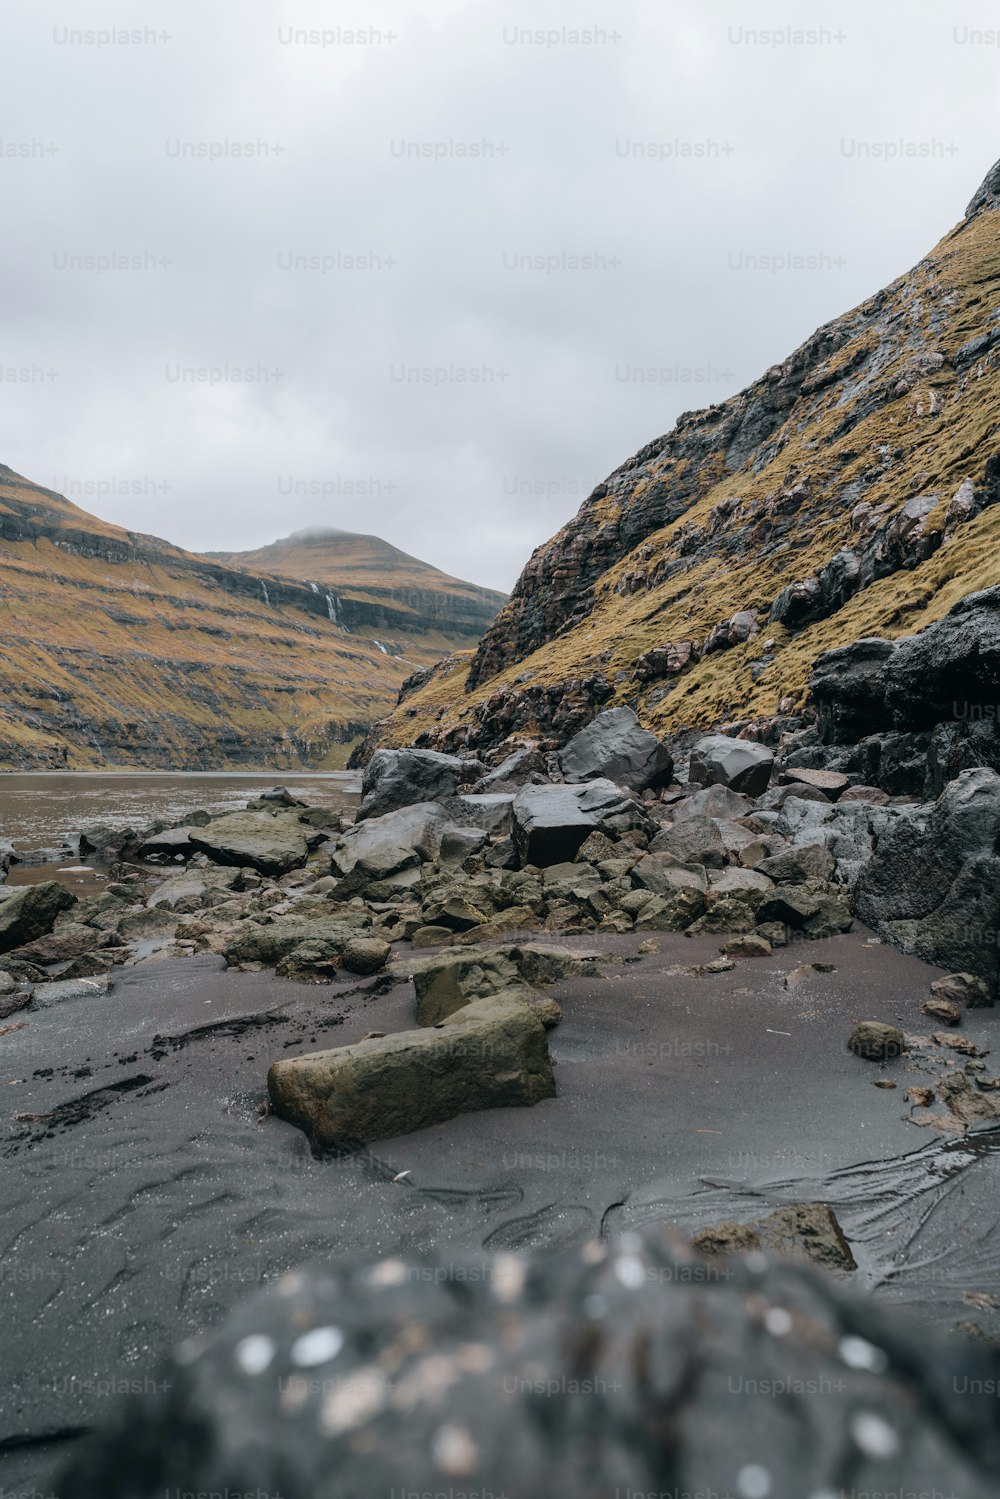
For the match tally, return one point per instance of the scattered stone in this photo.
(875, 1041)
(60, 992)
(803, 1231)
(957, 1043)
(794, 866)
(920, 1096)
(942, 1009)
(873, 794)
(884, 1082)
(751, 945)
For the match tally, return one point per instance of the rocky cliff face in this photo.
(850, 492)
(118, 648)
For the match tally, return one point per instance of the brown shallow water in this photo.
(153, 1197)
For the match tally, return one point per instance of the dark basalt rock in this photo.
(933, 883)
(551, 823)
(400, 778)
(627, 1366)
(615, 746)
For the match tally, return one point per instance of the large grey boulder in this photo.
(396, 778)
(932, 885)
(615, 746)
(31, 912)
(626, 1366)
(398, 840)
(490, 1054)
(255, 840)
(551, 823)
(740, 764)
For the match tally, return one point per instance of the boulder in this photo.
(490, 1054)
(830, 782)
(715, 802)
(629, 1365)
(61, 991)
(381, 846)
(696, 840)
(66, 942)
(614, 746)
(552, 822)
(255, 840)
(741, 765)
(489, 812)
(31, 912)
(365, 955)
(932, 885)
(397, 778)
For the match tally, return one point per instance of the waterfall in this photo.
(331, 609)
(263, 589)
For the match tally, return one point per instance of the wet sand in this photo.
(153, 1196)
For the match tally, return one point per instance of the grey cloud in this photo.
(531, 394)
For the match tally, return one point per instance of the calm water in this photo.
(48, 810)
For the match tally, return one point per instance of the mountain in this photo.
(119, 648)
(849, 492)
(414, 608)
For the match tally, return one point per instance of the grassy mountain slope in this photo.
(118, 648)
(817, 506)
(414, 608)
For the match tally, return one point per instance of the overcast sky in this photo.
(477, 397)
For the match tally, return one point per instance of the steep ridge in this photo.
(373, 587)
(849, 492)
(119, 648)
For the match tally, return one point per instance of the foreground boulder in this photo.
(615, 746)
(802, 1230)
(739, 764)
(399, 778)
(933, 884)
(551, 823)
(254, 840)
(31, 912)
(625, 1367)
(491, 1054)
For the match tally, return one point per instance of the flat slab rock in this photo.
(255, 840)
(490, 1054)
(624, 1367)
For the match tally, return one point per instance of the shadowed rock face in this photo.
(623, 1367)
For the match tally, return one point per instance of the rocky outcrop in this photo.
(631, 1365)
(489, 1054)
(271, 844)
